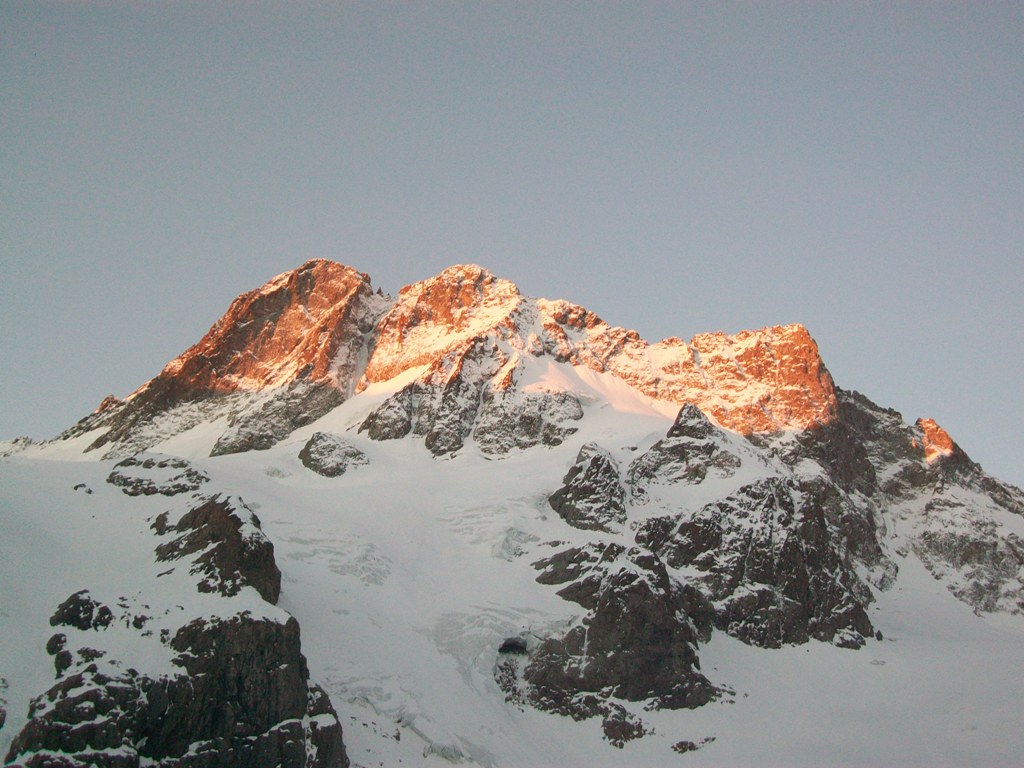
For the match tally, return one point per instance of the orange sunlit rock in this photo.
(937, 441)
(323, 323)
(297, 326)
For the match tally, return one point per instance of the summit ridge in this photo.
(311, 338)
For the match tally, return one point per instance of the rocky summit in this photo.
(463, 525)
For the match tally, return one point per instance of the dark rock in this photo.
(449, 421)
(161, 523)
(955, 535)
(149, 474)
(513, 420)
(232, 550)
(458, 398)
(508, 676)
(770, 566)
(620, 725)
(243, 699)
(62, 661)
(855, 532)
(90, 654)
(692, 424)
(839, 447)
(442, 406)
(56, 643)
(571, 564)
(592, 496)
(682, 747)
(82, 612)
(330, 455)
(993, 563)
(392, 419)
(637, 641)
(514, 645)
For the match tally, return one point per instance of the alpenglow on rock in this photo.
(291, 351)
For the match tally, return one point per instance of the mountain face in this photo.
(287, 353)
(509, 532)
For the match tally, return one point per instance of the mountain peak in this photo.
(937, 442)
(284, 330)
(431, 316)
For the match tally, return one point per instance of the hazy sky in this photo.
(676, 168)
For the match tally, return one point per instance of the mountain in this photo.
(462, 525)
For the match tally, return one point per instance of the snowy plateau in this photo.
(465, 526)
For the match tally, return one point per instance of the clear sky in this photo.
(676, 168)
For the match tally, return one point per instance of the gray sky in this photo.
(675, 168)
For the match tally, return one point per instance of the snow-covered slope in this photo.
(511, 535)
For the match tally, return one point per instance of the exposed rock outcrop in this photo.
(81, 612)
(291, 351)
(230, 548)
(330, 455)
(513, 420)
(637, 642)
(241, 698)
(149, 474)
(15, 446)
(960, 520)
(302, 340)
(768, 565)
(692, 448)
(754, 381)
(592, 496)
(289, 408)
(443, 404)
(226, 689)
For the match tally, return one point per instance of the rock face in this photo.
(592, 496)
(291, 351)
(769, 565)
(754, 381)
(230, 548)
(148, 474)
(234, 687)
(637, 642)
(961, 522)
(241, 698)
(281, 356)
(777, 561)
(292, 406)
(691, 450)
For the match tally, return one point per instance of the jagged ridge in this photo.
(287, 353)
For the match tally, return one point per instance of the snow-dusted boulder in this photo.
(330, 455)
